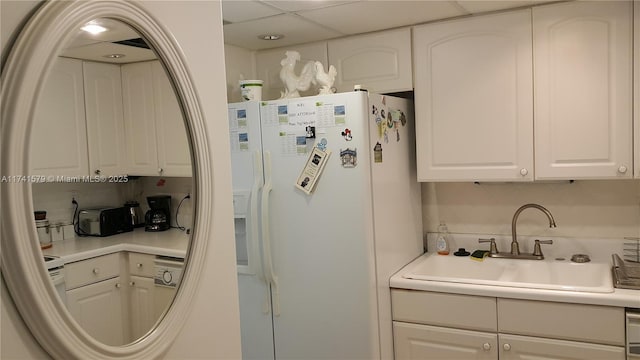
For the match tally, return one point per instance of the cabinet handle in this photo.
(506, 347)
(524, 172)
(96, 271)
(622, 169)
(118, 285)
(486, 346)
(97, 172)
(138, 265)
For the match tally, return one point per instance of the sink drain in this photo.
(580, 258)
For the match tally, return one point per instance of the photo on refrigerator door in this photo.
(312, 170)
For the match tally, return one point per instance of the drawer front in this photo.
(451, 310)
(413, 341)
(141, 264)
(91, 270)
(592, 323)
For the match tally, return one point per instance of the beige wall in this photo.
(240, 65)
(594, 209)
(212, 329)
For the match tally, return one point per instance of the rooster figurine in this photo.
(293, 83)
(325, 79)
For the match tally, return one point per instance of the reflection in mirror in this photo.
(110, 164)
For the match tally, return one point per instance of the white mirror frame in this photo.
(22, 265)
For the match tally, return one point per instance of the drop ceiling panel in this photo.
(366, 16)
(485, 6)
(96, 52)
(291, 6)
(295, 29)
(242, 10)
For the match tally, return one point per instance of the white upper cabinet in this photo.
(474, 98)
(268, 67)
(157, 142)
(105, 124)
(636, 71)
(380, 62)
(174, 155)
(583, 89)
(58, 143)
(139, 119)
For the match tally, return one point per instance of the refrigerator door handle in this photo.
(266, 238)
(256, 264)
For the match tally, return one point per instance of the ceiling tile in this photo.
(298, 5)
(96, 52)
(366, 16)
(475, 7)
(295, 29)
(243, 10)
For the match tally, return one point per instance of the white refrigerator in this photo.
(327, 208)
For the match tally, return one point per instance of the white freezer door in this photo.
(246, 165)
(321, 244)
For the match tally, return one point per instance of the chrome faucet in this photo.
(515, 248)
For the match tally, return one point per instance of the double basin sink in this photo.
(546, 274)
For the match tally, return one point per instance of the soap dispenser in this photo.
(442, 241)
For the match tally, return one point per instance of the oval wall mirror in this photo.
(105, 175)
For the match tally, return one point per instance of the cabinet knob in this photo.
(506, 347)
(118, 285)
(486, 346)
(132, 283)
(622, 169)
(97, 172)
(160, 170)
(95, 271)
(524, 172)
(138, 265)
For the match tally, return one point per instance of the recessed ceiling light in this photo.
(270, 37)
(93, 28)
(114, 56)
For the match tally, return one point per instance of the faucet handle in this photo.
(493, 249)
(537, 250)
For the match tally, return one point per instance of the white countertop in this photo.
(620, 297)
(172, 242)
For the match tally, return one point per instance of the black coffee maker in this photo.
(158, 218)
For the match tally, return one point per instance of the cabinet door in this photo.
(105, 122)
(636, 72)
(473, 98)
(142, 312)
(139, 119)
(583, 83)
(379, 62)
(268, 67)
(98, 310)
(514, 347)
(174, 155)
(58, 144)
(413, 341)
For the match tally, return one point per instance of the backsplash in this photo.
(587, 209)
(55, 198)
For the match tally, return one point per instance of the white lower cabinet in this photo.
(143, 315)
(430, 325)
(141, 294)
(513, 347)
(413, 341)
(98, 310)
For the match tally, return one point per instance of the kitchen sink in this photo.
(546, 274)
